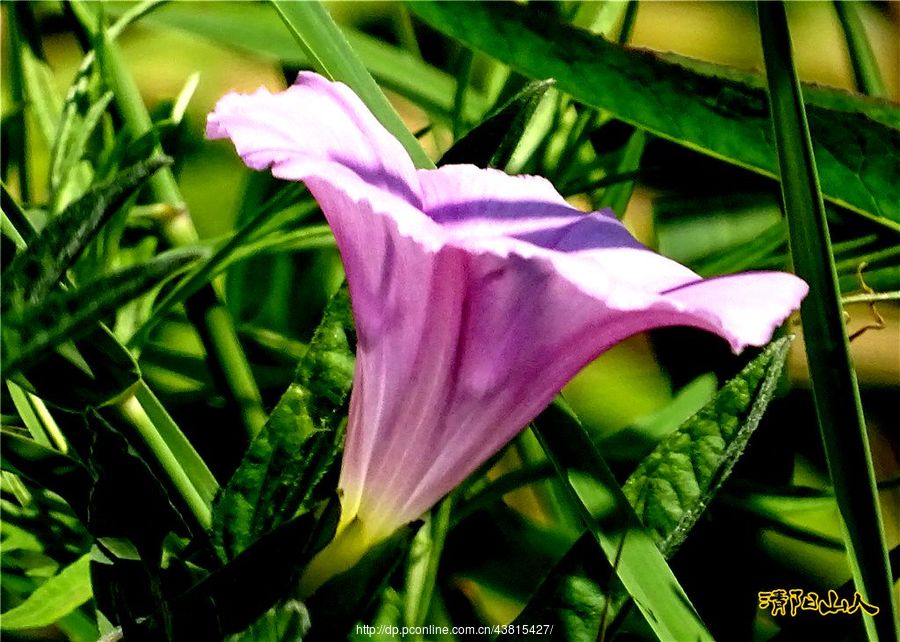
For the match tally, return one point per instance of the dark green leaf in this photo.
(235, 596)
(55, 598)
(65, 315)
(128, 500)
(97, 371)
(47, 468)
(493, 141)
(835, 391)
(34, 273)
(610, 519)
(297, 447)
(673, 485)
(857, 140)
(573, 597)
(342, 601)
(669, 490)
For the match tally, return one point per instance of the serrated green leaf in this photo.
(857, 139)
(672, 486)
(610, 520)
(693, 461)
(492, 142)
(32, 274)
(295, 449)
(31, 333)
(55, 598)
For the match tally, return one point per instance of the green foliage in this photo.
(286, 463)
(145, 363)
(673, 485)
(331, 55)
(669, 490)
(608, 516)
(32, 274)
(52, 600)
(67, 315)
(710, 113)
(835, 389)
(493, 141)
(260, 32)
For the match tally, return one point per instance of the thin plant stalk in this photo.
(865, 65)
(220, 336)
(834, 384)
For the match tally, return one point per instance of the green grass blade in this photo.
(862, 58)
(27, 414)
(669, 490)
(611, 520)
(247, 26)
(33, 273)
(492, 142)
(834, 384)
(332, 56)
(196, 469)
(15, 223)
(55, 598)
(67, 315)
(216, 326)
(708, 108)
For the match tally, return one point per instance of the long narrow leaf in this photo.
(611, 520)
(332, 56)
(285, 463)
(33, 273)
(835, 390)
(67, 315)
(720, 112)
(53, 599)
(674, 484)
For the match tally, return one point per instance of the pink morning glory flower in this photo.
(476, 295)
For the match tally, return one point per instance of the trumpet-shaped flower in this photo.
(476, 295)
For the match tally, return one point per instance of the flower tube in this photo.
(476, 296)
